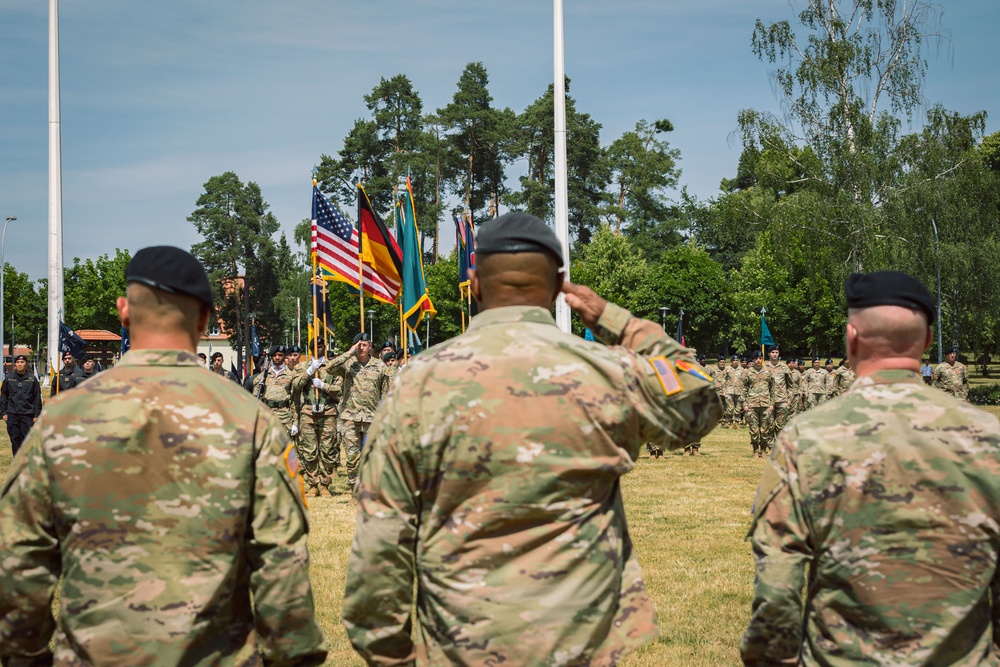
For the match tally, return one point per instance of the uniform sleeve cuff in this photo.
(611, 324)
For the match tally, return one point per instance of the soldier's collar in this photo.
(511, 315)
(159, 358)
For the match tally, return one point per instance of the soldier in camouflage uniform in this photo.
(274, 386)
(889, 496)
(162, 497)
(814, 382)
(491, 476)
(951, 376)
(318, 391)
(719, 376)
(734, 398)
(365, 381)
(831, 379)
(757, 390)
(782, 391)
(795, 395)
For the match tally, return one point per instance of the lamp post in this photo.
(3, 239)
(663, 317)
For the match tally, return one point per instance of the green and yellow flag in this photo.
(416, 301)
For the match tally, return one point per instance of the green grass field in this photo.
(687, 517)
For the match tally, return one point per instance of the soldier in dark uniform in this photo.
(68, 376)
(20, 401)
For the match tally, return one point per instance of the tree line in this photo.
(833, 184)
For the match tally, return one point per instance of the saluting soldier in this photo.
(489, 495)
(951, 376)
(365, 382)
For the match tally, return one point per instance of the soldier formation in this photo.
(487, 478)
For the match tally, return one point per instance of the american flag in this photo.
(335, 244)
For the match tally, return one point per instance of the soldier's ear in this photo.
(121, 303)
(474, 285)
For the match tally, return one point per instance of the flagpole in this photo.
(298, 319)
(55, 308)
(559, 161)
(361, 266)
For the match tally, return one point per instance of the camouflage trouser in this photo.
(778, 419)
(287, 418)
(318, 448)
(732, 408)
(759, 420)
(726, 417)
(352, 435)
(816, 399)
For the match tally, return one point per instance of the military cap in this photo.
(313, 342)
(387, 355)
(517, 232)
(216, 355)
(888, 288)
(755, 355)
(172, 270)
(773, 347)
(829, 362)
(816, 359)
(363, 336)
(400, 354)
(21, 356)
(87, 357)
(202, 355)
(293, 349)
(275, 349)
(951, 350)
(736, 357)
(387, 344)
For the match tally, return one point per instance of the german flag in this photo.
(379, 249)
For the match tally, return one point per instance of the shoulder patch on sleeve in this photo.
(667, 375)
(293, 465)
(693, 370)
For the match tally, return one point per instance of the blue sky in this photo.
(157, 97)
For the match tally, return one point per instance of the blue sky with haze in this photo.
(157, 97)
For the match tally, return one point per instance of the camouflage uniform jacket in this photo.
(328, 396)
(890, 496)
(783, 383)
(719, 380)
(363, 387)
(492, 475)
(734, 377)
(163, 509)
(844, 379)
(815, 381)
(757, 388)
(278, 393)
(796, 383)
(952, 379)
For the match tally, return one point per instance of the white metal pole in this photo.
(561, 193)
(55, 309)
(3, 241)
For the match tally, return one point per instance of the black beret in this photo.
(736, 357)
(313, 343)
(951, 350)
(517, 232)
(773, 347)
(216, 355)
(387, 344)
(172, 270)
(755, 355)
(202, 355)
(20, 356)
(387, 355)
(829, 362)
(363, 336)
(888, 288)
(87, 357)
(275, 349)
(400, 354)
(293, 349)
(816, 358)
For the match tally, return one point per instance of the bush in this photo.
(985, 394)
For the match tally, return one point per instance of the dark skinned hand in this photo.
(584, 302)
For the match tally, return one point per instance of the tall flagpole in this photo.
(561, 194)
(55, 310)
